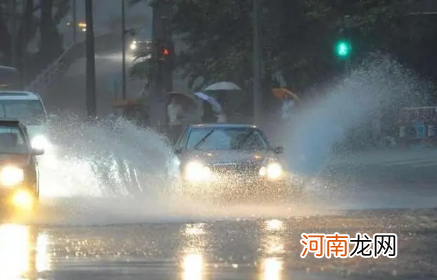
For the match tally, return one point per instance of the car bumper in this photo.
(238, 186)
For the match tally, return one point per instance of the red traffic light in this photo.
(165, 52)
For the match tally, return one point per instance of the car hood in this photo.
(14, 159)
(212, 157)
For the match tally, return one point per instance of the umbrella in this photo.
(215, 105)
(284, 93)
(223, 86)
(185, 100)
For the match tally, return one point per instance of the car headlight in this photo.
(39, 142)
(196, 171)
(272, 171)
(23, 199)
(11, 176)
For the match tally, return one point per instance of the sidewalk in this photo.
(385, 156)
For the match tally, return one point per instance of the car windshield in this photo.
(144, 34)
(227, 138)
(12, 140)
(29, 112)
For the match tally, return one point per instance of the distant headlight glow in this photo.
(196, 171)
(11, 176)
(273, 171)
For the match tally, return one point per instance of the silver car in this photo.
(233, 160)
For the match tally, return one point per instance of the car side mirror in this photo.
(37, 152)
(279, 150)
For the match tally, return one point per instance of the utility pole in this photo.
(123, 47)
(24, 45)
(90, 61)
(162, 40)
(257, 98)
(13, 33)
(74, 21)
(163, 56)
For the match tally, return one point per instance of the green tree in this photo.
(30, 17)
(297, 38)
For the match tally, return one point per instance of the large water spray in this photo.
(96, 168)
(106, 158)
(378, 84)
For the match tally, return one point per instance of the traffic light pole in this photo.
(347, 66)
(123, 48)
(256, 63)
(163, 76)
(14, 30)
(90, 61)
(74, 21)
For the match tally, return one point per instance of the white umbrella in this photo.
(215, 105)
(223, 86)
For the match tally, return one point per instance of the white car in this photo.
(29, 109)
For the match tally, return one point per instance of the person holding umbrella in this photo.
(212, 110)
(289, 100)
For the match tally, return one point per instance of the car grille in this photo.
(236, 169)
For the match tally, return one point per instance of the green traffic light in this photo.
(343, 49)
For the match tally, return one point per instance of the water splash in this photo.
(99, 164)
(105, 158)
(378, 84)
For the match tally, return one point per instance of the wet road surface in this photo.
(214, 243)
(244, 249)
(262, 246)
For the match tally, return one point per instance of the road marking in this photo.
(430, 163)
(410, 162)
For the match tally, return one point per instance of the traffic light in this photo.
(164, 52)
(165, 60)
(165, 56)
(343, 49)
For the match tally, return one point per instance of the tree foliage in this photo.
(31, 17)
(297, 38)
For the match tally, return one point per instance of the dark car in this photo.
(234, 159)
(141, 41)
(19, 184)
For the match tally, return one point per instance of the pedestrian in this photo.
(285, 111)
(208, 113)
(175, 113)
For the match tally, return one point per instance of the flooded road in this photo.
(239, 249)
(248, 241)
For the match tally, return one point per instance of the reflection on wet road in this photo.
(184, 251)
(261, 249)
(23, 251)
(253, 248)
